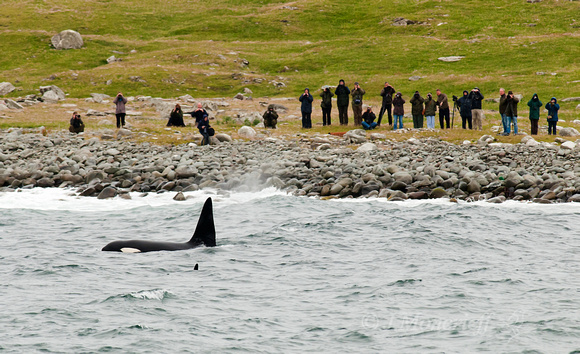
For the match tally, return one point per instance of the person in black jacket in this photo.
(76, 124)
(476, 111)
(464, 103)
(511, 112)
(342, 93)
(368, 121)
(326, 105)
(201, 122)
(306, 108)
(387, 92)
(176, 117)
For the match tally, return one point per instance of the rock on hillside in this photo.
(6, 88)
(67, 39)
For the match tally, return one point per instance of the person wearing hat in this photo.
(387, 93)
(270, 117)
(417, 110)
(357, 102)
(430, 109)
(511, 112)
(342, 93)
(306, 108)
(369, 117)
(326, 105)
(476, 112)
(535, 104)
(552, 107)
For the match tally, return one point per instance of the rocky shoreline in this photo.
(320, 166)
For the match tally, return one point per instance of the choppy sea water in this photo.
(288, 275)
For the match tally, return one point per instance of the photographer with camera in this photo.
(430, 109)
(76, 124)
(476, 112)
(443, 104)
(120, 111)
(464, 103)
(535, 104)
(387, 92)
(398, 110)
(511, 112)
(326, 105)
(553, 107)
(342, 93)
(369, 117)
(306, 108)
(502, 106)
(417, 110)
(270, 117)
(357, 102)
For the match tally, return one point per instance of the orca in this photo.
(204, 235)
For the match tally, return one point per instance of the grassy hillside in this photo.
(194, 46)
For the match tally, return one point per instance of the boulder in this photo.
(67, 39)
(415, 78)
(575, 198)
(107, 192)
(50, 97)
(6, 88)
(569, 145)
(112, 59)
(356, 136)
(378, 136)
(438, 193)
(367, 147)
(12, 104)
(179, 197)
(403, 177)
(247, 132)
(223, 137)
(99, 97)
(55, 89)
(569, 132)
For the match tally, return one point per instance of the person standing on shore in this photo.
(553, 107)
(534, 105)
(357, 102)
(398, 110)
(464, 103)
(417, 110)
(342, 93)
(502, 106)
(430, 108)
(270, 117)
(443, 104)
(387, 92)
(476, 110)
(306, 108)
(120, 111)
(201, 122)
(326, 105)
(511, 112)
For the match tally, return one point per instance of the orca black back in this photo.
(204, 235)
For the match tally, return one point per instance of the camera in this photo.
(455, 98)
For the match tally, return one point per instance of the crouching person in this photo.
(368, 119)
(76, 124)
(270, 117)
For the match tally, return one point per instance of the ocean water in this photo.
(289, 275)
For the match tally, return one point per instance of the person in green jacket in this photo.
(326, 105)
(535, 104)
(417, 110)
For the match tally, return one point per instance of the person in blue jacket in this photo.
(553, 107)
(306, 108)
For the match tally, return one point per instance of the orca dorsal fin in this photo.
(205, 229)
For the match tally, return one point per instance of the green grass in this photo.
(321, 42)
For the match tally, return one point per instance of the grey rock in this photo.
(67, 39)
(575, 198)
(247, 132)
(50, 97)
(570, 99)
(569, 132)
(179, 196)
(451, 59)
(497, 200)
(107, 192)
(403, 177)
(438, 193)
(6, 88)
(223, 137)
(12, 104)
(367, 147)
(415, 78)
